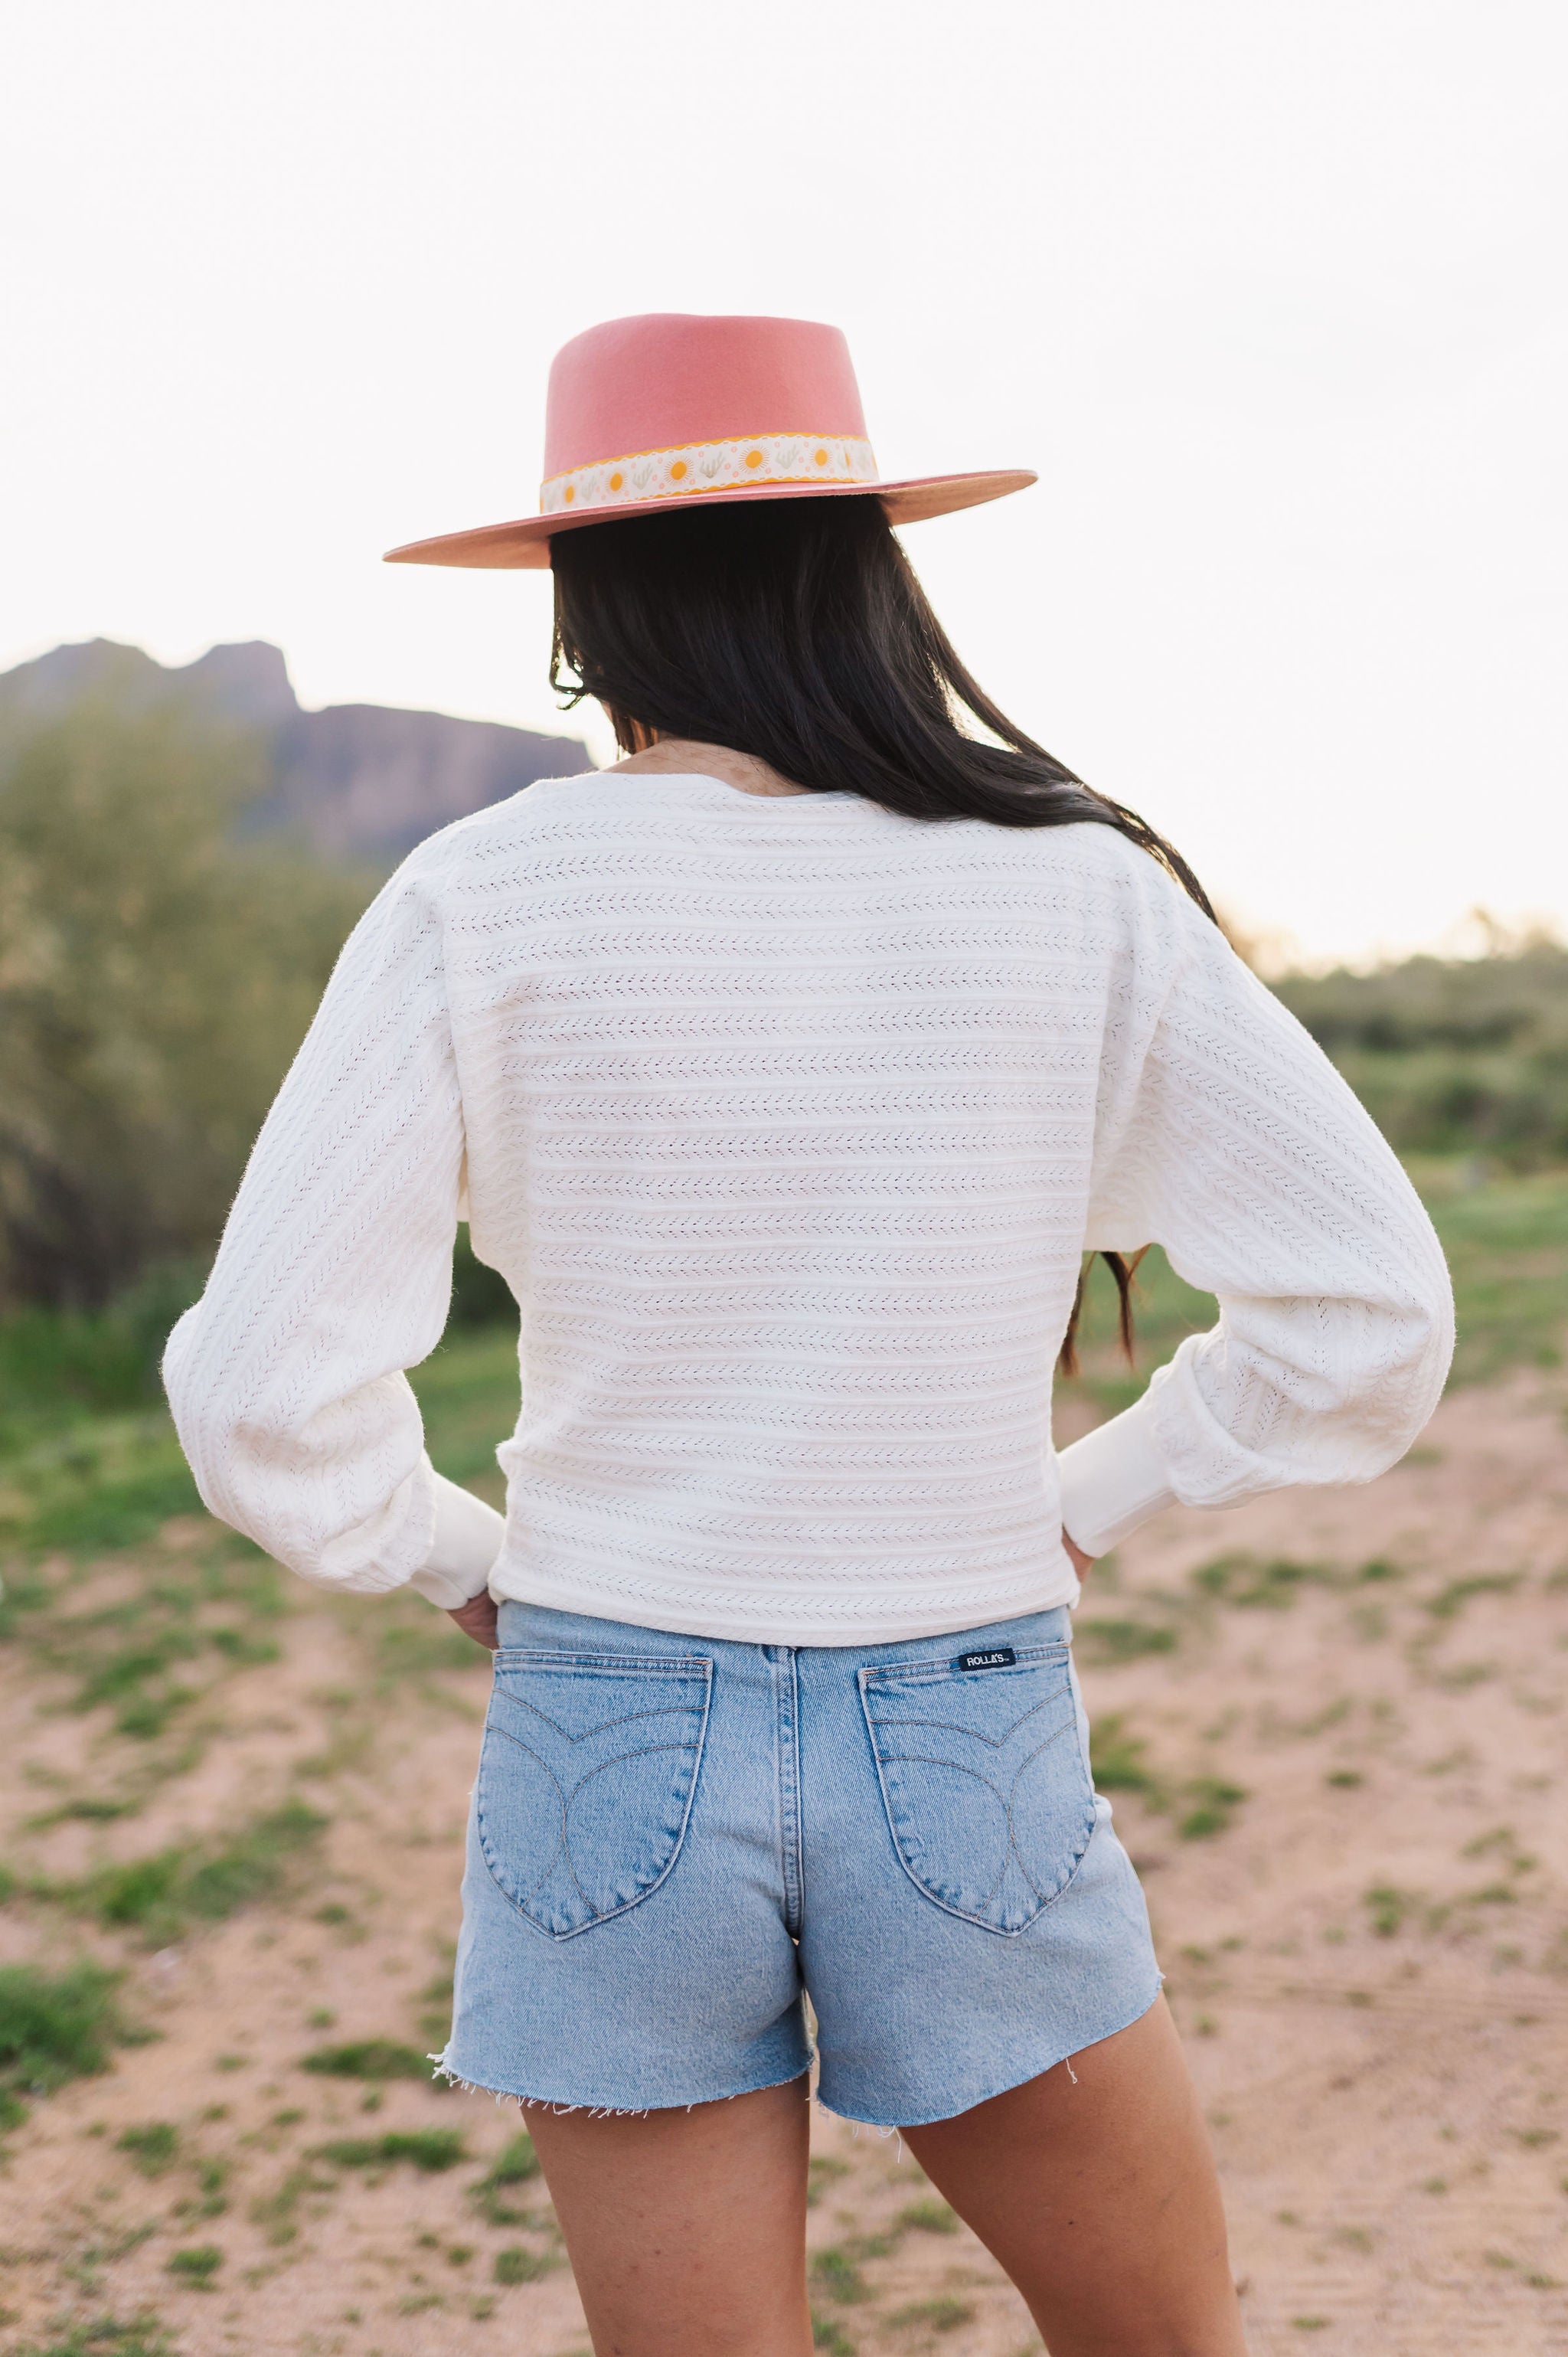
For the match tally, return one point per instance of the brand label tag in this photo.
(998, 1657)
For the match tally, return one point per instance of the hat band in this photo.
(758, 460)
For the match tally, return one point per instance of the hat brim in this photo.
(524, 545)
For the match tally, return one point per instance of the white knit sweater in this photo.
(788, 1121)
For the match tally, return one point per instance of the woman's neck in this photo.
(683, 756)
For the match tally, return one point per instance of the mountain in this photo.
(358, 781)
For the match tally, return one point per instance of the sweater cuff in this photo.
(468, 1535)
(1112, 1479)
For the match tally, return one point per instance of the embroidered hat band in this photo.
(754, 459)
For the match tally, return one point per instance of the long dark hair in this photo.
(797, 632)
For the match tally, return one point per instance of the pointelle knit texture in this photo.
(788, 1120)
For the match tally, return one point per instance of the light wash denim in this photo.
(673, 1839)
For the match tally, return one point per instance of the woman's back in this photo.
(787, 1119)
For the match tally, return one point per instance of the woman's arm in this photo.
(1226, 1136)
(286, 1379)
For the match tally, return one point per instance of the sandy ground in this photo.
(1368, 1953)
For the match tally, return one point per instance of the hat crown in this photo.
(666, 379)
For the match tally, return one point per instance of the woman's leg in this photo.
(686, 2230)
(1100, 2199)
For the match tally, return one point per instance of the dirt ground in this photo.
(1332, 1728)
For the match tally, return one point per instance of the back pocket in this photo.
(586, 1778)
(988, 1798)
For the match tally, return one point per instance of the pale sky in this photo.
(1271, 292)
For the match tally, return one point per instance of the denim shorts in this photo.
(673, 1841)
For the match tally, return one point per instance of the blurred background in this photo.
(1273, 299)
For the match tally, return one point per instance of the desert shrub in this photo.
(156, 973)
(1453, 1056)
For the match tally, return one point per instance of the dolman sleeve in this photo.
(286, 1379)
(1224, 1135)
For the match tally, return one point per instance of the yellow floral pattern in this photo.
(710, 466)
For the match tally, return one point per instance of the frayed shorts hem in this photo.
(1018, 2078)
(562, 2106)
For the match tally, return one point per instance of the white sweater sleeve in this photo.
(286, 1379)
(1225, 1134)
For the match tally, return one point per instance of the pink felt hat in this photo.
(644, 414)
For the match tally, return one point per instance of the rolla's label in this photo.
(996, 1657)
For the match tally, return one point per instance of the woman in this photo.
(787, 1069)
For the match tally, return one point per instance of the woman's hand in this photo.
(477, 1618)
(1080, 1562)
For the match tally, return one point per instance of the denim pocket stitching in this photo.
(963, 1915)
(627, 1718)
(602, 1664)
(690, 1668)
(956, 1726)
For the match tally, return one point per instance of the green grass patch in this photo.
(516, 2266)
(54, 2027)
(468, 1392)
(1506, 1242)
(516, 2164)
(368, 2058)
(435, 2020)
(1116, 1758)
(145, 1657)
(1210, 1804)
(277, 2213)
(828, 2334)
(91, 1483)
(153, 2150)
(933, 2217)
(1106, 1643)
(1252, 1582)
(105, 2336)
(936, 2314)
(835, 2274)
(1450, 1601)
(430, 2149)
(163, 1895)
(1387, 1909)
(198, 2265)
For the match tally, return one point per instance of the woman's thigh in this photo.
(687, 2229)
(1095, 2189)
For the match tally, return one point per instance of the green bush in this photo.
(156, 973)
(1453, 1056)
